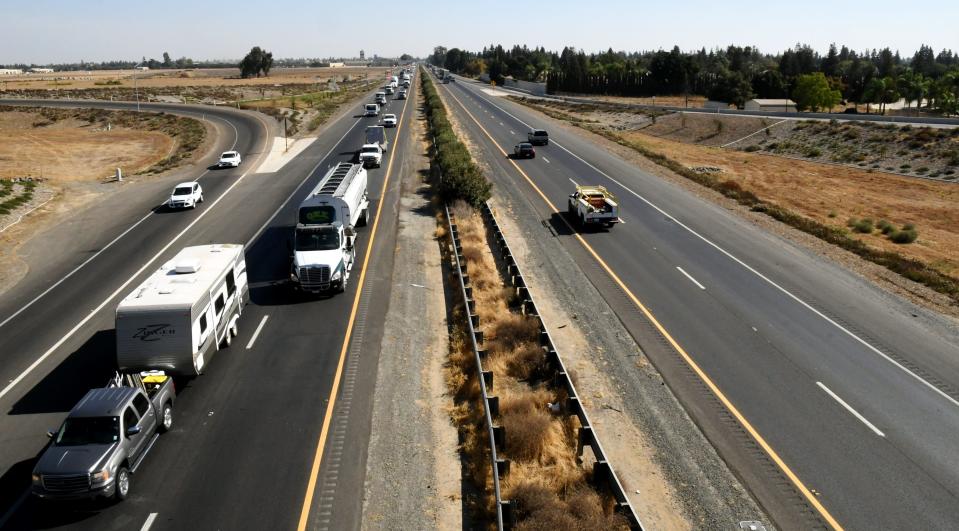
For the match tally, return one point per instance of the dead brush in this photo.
(547, 480)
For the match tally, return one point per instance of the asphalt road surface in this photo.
(835, 402)
(244, 450)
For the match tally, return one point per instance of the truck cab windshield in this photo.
(371, 149)
(317, 240)
(79, 431)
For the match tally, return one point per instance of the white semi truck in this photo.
(326, 221)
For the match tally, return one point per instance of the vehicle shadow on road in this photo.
(268, 269)
(93, 364)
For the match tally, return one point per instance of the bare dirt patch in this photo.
(77, 153)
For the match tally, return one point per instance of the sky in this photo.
(66, 31)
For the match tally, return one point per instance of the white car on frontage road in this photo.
(185, 195)
(229, 159)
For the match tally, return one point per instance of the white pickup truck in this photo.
(371, 155)
(593, 205)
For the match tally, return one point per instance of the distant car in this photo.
(524, 150)
(538, 137)
(372, 109)
(229, 159)
(401, 95)
(389, 120)
(389, 90)
(371, 155)
(185, 195)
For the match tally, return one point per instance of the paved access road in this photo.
(836, 403)
(244, 446)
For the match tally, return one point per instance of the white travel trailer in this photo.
(184, 312)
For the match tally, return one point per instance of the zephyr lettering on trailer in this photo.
(153, 332)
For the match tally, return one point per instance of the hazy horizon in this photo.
(110, 30)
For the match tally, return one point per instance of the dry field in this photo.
(833, 194)
(74, 151)
(209, 77)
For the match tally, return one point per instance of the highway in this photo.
(248, 434)
(836, 403)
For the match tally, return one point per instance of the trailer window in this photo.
(142, 404)
(230, 283)
(219, 304)
(203, 323)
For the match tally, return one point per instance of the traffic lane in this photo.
(46, 394)
(131, 204)
(353, 137)
(857, 305)
(37, 326)
(685, 312)
(888, 395)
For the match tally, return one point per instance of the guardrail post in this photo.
(478, 334)
(499, 436)
(492, 402)
(488, 380)
(475, 319)
(509, 515)
(502, 467)
(585, 438)
(529, 308)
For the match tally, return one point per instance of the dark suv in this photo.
(524, 150)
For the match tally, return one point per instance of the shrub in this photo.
(864, 226)
(751, 148)
(904, 236)
(885, 226)
(813, 152)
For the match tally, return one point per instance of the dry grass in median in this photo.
(547, 482)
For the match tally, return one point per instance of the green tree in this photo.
(406, 57)
(731, 87)
(167, 62)
(813, 92)
(913, 86)
(257, 62)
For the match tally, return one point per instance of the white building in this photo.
(41, 70)
(771, 105)
(10, 72)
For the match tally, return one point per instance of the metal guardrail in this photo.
(603, 474)
(485, 378)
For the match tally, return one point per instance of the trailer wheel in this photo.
(166, 418)
(234, 328)
(122, 489)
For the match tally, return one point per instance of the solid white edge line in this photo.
(572, 181)
(236, 138)
(788, 293)
(13, 383)
(546, 159)
(256, 333)
(690, 277)
(149, 523)
(850, 409)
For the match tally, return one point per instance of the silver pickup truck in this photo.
(105, 438)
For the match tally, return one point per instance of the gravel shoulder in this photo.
(413, 478)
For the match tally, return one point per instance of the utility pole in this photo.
(286, 145)
(136, 90)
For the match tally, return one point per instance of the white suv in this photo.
(229, 159)
(185, 195)
(389, 120)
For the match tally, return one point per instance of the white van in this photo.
(184, 312)
(372, 109)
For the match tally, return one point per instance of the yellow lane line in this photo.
(328, 416)
(760, 440)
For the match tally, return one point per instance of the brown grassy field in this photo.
(212, 77)
(73, 150)
(833, 194)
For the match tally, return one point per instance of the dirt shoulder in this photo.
(413, 469)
